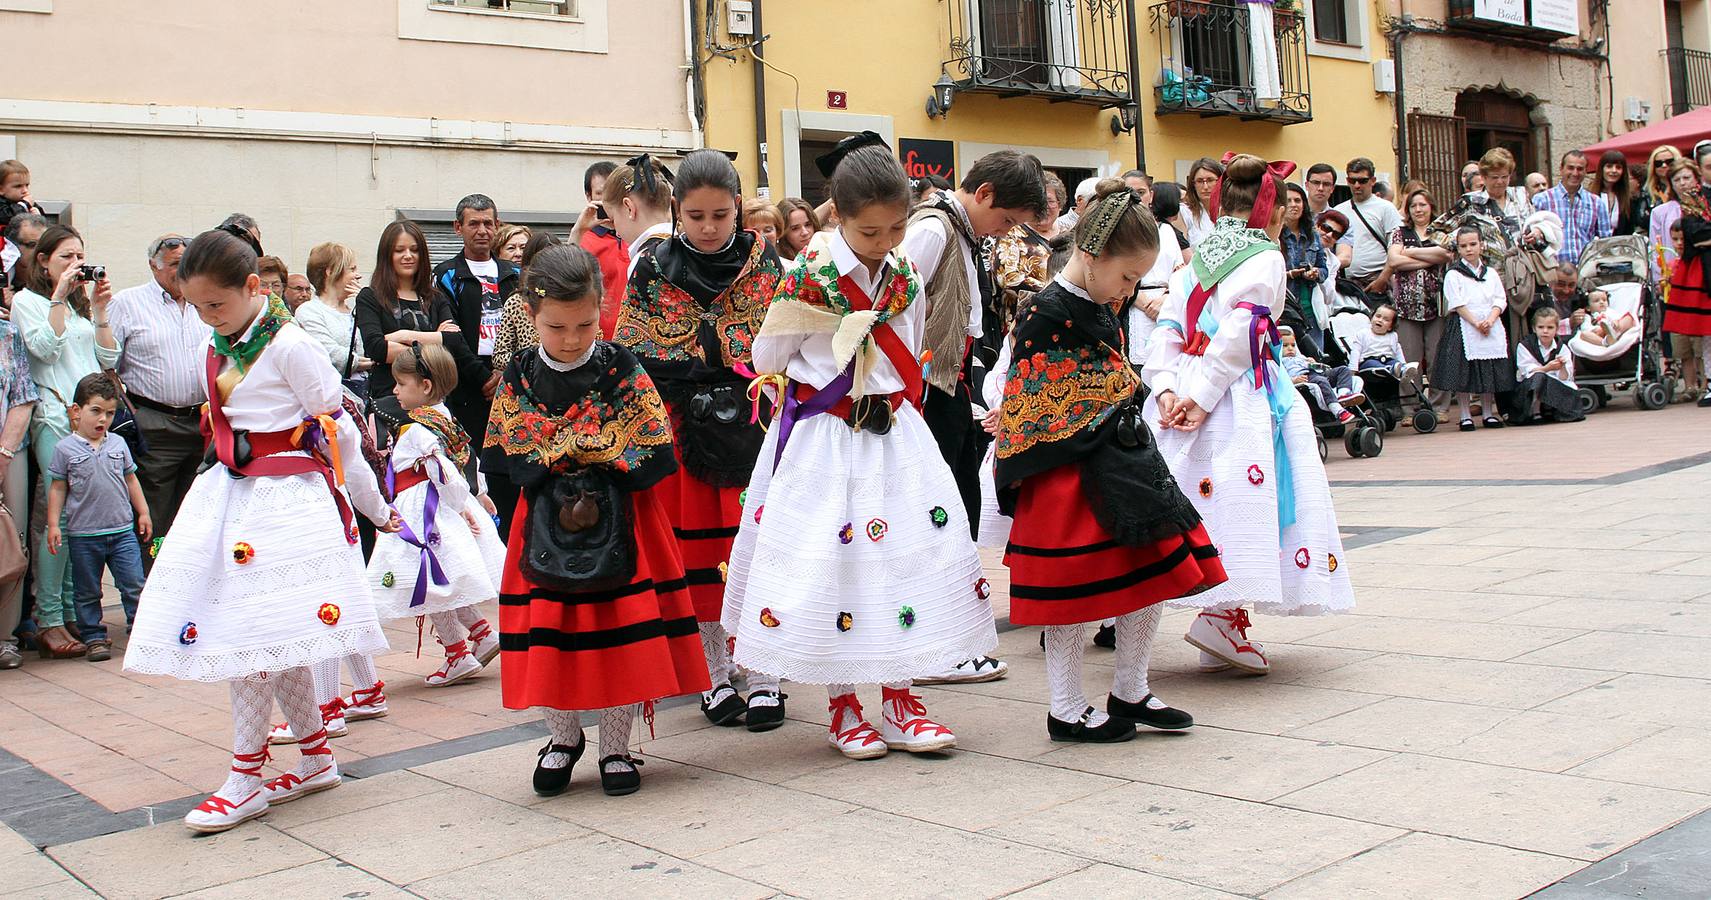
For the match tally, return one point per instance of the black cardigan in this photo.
(374, 321)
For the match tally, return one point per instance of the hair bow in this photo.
(646, 170)
(829, 162)
(1267, 200)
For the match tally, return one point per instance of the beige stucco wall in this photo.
(125, 190)
(1637, 66)
(345, 56)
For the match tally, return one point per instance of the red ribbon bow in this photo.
(1267, 199)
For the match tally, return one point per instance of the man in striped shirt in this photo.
(1583, 213)
(163, 349)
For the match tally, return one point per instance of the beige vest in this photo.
(949, 300)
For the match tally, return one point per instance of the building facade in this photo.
(326, 119)
(1063, 79)
(1537, 77)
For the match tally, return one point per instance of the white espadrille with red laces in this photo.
(1224, 634)
(365, 703)
(459, 664)
(850, 733)
(905, 726)
(317, 772)
(484, 643)
(332, 721)
(223, 812)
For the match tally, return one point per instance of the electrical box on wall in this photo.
(740, 17)
(1637, 110)
(1384, 76)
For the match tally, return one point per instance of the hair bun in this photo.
(1108, 186)
(1245, 168)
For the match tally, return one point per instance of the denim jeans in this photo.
(120, 554)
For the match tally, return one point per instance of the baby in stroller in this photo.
(1600, 327)
(1331, 389)
(1378, 347)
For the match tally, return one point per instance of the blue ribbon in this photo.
(1279, 399)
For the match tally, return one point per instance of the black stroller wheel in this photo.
(1653, 395)
(1324, 446)
(1425, 421)
(1587, 399)
(1371, 442)
(1352, 442)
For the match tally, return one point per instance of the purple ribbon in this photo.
(794, 410)
(1262, 328)
(429, 565)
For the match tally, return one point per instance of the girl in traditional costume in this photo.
(594, 612)
(1229, 426)
(694, 303)
(1101, 529)
(262, 577)
(854, 563)
(448, 555)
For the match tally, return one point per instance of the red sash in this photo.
(266, 448)
(889, 343)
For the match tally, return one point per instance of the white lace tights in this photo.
(326, 676)
(467, 616)
(447, 627)
(715, 646)
(566, 728)
(252, 705)
(1066, 646)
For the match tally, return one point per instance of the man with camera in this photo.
(163, 342)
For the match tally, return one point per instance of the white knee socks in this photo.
(566, 728)
(713, 646)
(447, 627)
(615, 723)
(326, 680)
(1135, 632)
(1065, 647)
(295, 691)
(361, 667)
(468, 615)
(252, 703)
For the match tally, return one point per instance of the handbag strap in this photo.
(1355, 208)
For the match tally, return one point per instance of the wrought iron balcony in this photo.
(1208, 64)
(1064, 50)
(1689, 79)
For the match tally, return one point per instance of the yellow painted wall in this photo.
(887, 53)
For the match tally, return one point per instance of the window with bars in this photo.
(565, 8)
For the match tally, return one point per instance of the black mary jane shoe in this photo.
(728, 711)
(617, 784)
(1106, 637)
(765, 717)
(552, 782)
(1111, 731)
(1492, 422)
(1164, 718)
(1466, 425)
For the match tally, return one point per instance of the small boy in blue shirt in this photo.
(95, 485)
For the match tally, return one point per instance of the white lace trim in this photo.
(226, 665)
(576, 363)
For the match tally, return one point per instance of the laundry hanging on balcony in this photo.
(1262, 43)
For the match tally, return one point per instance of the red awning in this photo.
(1681, 131)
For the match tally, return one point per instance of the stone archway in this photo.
(1500, 116)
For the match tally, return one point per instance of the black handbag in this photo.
(718, 444)
(1128, 486)
(579, 536)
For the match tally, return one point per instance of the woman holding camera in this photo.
(62, 314)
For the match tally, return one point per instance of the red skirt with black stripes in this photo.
(591, 650)
(704, 519)
(1688, 309)
(1066, 569)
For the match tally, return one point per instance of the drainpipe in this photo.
(756, 45)
(1135, 89)
(1404, 25)
(692, 73)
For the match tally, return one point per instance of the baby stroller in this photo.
(1620, 266)
(1362, 435)
(1383, 390)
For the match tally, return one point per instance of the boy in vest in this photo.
(964, 329)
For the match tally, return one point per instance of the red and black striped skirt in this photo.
(704, 520)
(1688, 310)
(566, 650)
(1067, 569)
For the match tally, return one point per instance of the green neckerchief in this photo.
(244, 352)
(1230, 243)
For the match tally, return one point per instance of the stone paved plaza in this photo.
(1521, 695)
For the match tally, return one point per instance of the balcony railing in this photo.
(1689, 79)
(1064, 50)
(1208, 64)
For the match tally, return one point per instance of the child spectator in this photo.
(1333, 385)
(1378, 348)
(1475, 357)
(1545, 370)
(15, 191)
(95, 484)
(1600, 326)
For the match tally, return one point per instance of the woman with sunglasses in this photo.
(1655, 190)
